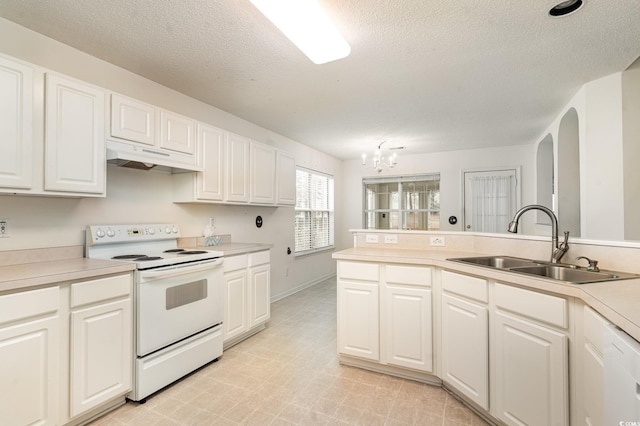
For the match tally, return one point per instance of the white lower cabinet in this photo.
(465, 336)
(29, 336)
(385, 314)
(591, 385)
(358, 320)
(101, 336)
(465, 348)
(247, 295)
(530, 358)
(51, 377)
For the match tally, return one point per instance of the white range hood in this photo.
(125, 154)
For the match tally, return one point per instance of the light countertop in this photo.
(35, 274)
(233, 249)
(618, 301)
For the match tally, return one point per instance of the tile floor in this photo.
(289, 375)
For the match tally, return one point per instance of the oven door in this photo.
(176, 302)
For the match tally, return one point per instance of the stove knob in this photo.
(167, 230)
(99, 233)
(111, 233)
(151, 231)
(175, 229)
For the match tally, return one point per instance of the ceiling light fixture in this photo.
(307, 26)
(383, 158)
(566, 7)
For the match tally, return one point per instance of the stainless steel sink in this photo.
(500, 262)
(560, 272)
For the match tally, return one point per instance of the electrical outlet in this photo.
(437, 241)
(4, 228)
(391, 239)
(371, 238)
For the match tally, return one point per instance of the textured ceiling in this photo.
(430, 75)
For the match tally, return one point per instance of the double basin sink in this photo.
(555, 271)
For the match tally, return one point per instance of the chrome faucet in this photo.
(557, 250)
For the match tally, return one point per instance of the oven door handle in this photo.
(170, 271)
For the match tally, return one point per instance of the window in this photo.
(314, 211)
(402, 202)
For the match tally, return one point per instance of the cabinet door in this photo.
(530, 383)
(29, 372)
(16, 120)
(259, 295)
(74, 137)
(237, 169)
(358, 320)
(591, 387)
(465, 348)
(210, 182)
(101, 354)
(408, 327)
(286, 179)
(235, 306)
(132, 120)
(263, 173)
(177, 133)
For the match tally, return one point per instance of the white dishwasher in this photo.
(621, 378)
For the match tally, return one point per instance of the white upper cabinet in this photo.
(263, 173)
(177, 133)
(286, 179)
(16, 135)
(210, 183)
(74, 136)
(237, 169)
(132, 120)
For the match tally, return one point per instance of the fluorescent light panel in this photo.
(307, 26)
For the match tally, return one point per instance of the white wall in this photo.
(450, 165)
(135, 196)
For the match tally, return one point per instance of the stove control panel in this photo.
(109, 234)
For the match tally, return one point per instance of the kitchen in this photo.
(52, 222)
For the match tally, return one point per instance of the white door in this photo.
(408, 325)
(74, 136)
(29, 372)
(358, 320)
(259, 294)
(263, 173)
(235, 304)
(286, 179)
(210, 182)
(237, 169)
(177, 133)
(133, 120)
(16, 121)
(100, 354)
(490, 199)
(530, 382)
(465, 348)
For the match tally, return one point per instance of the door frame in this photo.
(463, 172)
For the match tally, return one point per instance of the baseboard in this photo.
(275, 298)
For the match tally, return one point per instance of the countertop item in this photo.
(616, 300)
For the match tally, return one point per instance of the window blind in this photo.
(313, 211)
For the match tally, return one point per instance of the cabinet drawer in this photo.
(594, 326)
(233, 263)
(464, 285)
(101, 289)
(542, 307)
(259, 258)
(400, 274)
(359, 271)
(27, 304)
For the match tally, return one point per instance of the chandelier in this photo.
(382, 158)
